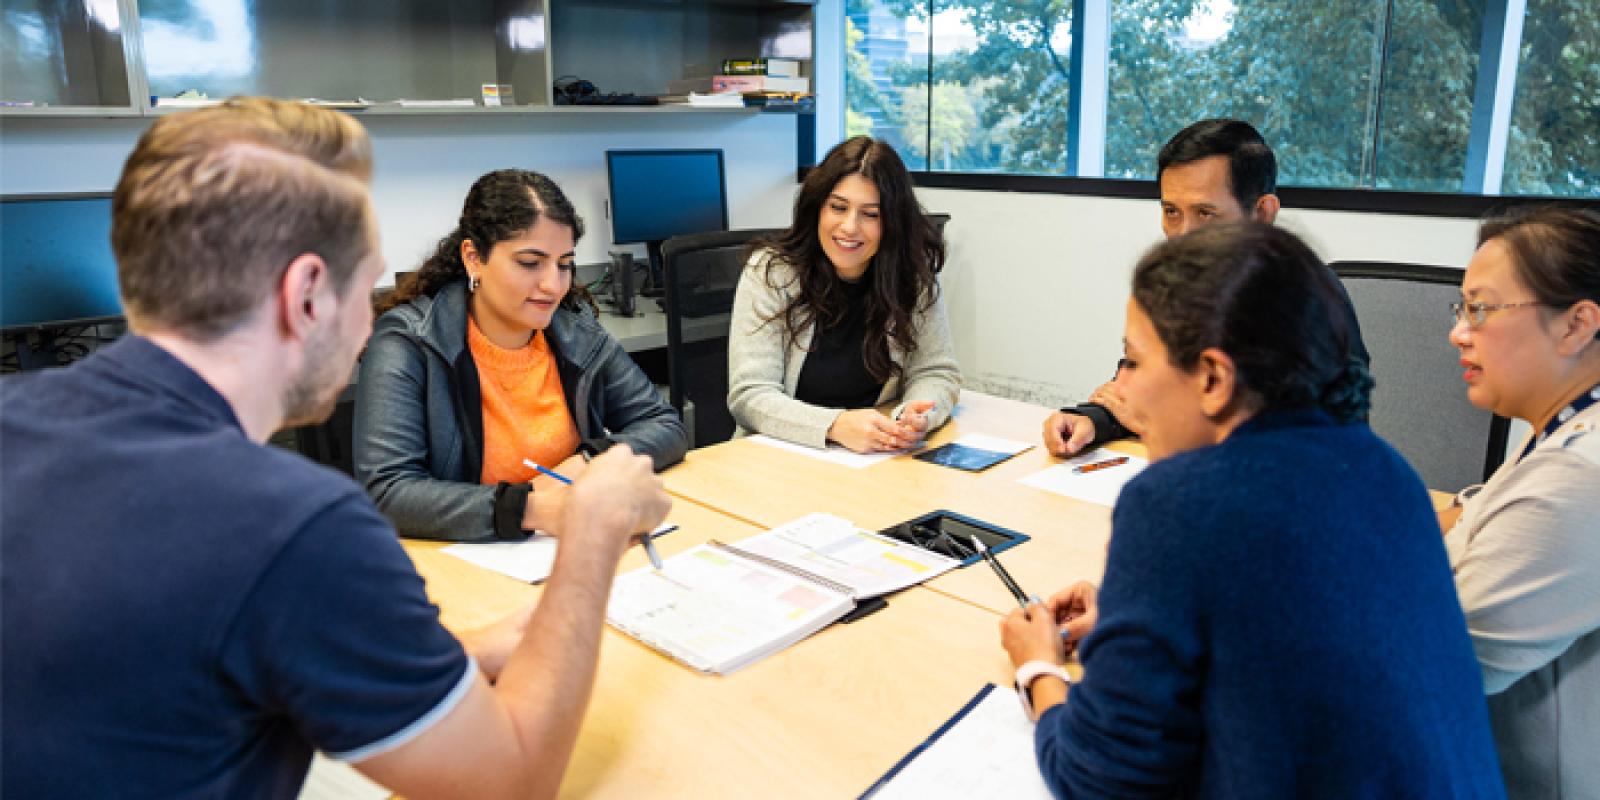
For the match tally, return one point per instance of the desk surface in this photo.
(824, 718)
(648, 330)
(768, 487)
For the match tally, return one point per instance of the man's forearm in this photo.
(548, 678)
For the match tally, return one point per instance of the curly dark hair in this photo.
(500, 205)
(903, 274)
(1257, 293)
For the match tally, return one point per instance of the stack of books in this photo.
(761, 75)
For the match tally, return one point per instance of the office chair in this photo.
(332, 441)
(702, 273)
(1420, 404)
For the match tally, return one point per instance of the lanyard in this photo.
(1574, 408)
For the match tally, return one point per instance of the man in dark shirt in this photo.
(1216, 170)
(188, 612)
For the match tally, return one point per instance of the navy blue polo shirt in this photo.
(188, 613)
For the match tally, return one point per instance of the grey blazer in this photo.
(763, 369)
(419, 416)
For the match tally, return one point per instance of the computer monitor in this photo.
(659, 194)
(56, 268)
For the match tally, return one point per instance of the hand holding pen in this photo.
(642, 529)
(1072, 610)
(1050, 631)
(1075, 610)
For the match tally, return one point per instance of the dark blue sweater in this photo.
(1277, 620)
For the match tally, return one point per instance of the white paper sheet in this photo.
(984, 441)
(336, 780)
(986, 753)
(833, 453)
(1101, 486)
(529, 561)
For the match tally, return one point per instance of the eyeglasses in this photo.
(1475, 314)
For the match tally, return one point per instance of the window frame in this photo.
(1087, 119)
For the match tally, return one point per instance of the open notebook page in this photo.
(716, 612)
(834, 548)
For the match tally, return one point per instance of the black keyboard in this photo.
(608, 100)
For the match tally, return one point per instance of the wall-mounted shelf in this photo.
(89, 59)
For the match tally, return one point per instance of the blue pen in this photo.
(649, 546)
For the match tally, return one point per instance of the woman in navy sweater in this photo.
(1277, 617)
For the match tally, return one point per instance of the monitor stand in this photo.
(623, 290)
(655, 285)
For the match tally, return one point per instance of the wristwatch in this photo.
(1466, 494)
(1032, 671)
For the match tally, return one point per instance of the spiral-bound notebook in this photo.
(718, 607)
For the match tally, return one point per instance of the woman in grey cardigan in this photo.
(842, 313)
(486, 357)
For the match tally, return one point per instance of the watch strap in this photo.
(1032, 671)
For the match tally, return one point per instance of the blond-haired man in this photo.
(190, 613)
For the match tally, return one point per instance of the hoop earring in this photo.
(473, 282)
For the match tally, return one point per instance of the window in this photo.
(1408, 95)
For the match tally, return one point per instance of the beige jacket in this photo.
(763, 372)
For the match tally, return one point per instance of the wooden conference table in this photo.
(828, 716)
(768, 487)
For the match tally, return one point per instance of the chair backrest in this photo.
(1420, 404)
(702, 272)
(332, 441)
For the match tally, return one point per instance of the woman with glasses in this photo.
(1526, 547)
(842, 313)
(1277, 617)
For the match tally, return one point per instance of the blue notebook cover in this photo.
(960, 456)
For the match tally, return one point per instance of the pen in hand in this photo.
(649, 546)
(1023, 598)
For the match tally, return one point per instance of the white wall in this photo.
(424, 164)
(1037, 283)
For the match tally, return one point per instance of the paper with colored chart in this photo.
(717, 611)
(834, 548)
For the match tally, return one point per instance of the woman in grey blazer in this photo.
(842, 313)
(487, 356)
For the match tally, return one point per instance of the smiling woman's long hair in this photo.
(903, 275)
(501, 205)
